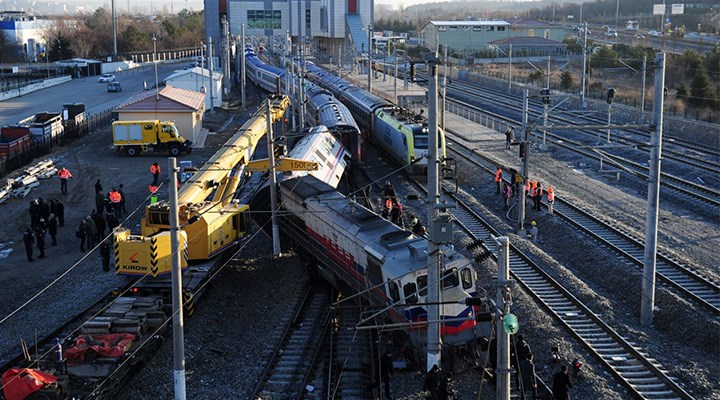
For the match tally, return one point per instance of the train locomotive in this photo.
(322, 108)
(357, 249)
(400, 133)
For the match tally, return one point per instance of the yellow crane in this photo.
(210, 221)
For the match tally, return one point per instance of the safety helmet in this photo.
(533, 223)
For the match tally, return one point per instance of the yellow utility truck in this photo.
(134, 137)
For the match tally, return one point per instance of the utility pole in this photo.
(584, 68)
(157, 89)
(226, 56)
(243, 81)
(114, 29)
(543, 146)
(273, 184)
(396, 74)
(503, 338)
(434, 344)
(510, 69)
(617, 13)
(293, 105)
(301, 88)
(521, 193)
(369, 58)
(177, 300)
(651, 220)
(609, 121)
(642, 94)
(444, 87)
(212, 81)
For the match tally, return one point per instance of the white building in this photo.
(25, 30)
(198, 80)
(329, 23)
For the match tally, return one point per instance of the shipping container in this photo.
(12, 143)
(44, 126)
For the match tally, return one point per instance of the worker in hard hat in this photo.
(534, 231)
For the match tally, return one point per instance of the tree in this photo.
(681, 91)
(712, 63)
(9, 51)
(566, 80)
(701, 91)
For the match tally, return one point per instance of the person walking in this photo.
(431, 381)
(115, 199)
(91, 232)
(550, 199)
(29, 241)
(81, 233)
(40, 238)
(498, 180)
(537, 197)
(60, 212)
(396, 213)
(155, 171)
(105, 254)
(98, 186)
(52, 225)
(506, 192)
(122, 198)
(529, 382)
(562, 384)
(99, 226)
(386, 369)
(509, 137)
(99, 201)
(64, 175)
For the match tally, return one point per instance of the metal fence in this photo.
(14, 82)
(44, 146)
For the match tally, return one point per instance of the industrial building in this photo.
(477, 35)
(25, 30)
(329, 26)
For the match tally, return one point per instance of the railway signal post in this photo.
(242, 67)
(273, 184)
(503, 304)
(177, 298)
(522, 194)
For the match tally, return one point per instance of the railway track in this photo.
(688, 282)
(677, 185)
(643, 376)
(291, 362)
(673, 149)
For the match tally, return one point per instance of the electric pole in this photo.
(434, 344)
(177, 299)
(651, 220)
(242, 67)
(522, 193)
(114, 30)
(212, 81)
(503, 303)
(273, 183)
(584, 69)
(642, 94)
(369, 58)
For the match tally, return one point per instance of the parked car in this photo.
(104, 78)
(654, 33)
(114, 86)
(611, 33)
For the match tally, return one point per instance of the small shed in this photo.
(530, 46)
(185, 107)
(197, 79)
(80, 66)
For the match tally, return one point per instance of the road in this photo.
(83, 90)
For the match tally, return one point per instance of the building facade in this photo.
(25, 30)
(198, 80)
(476, 35)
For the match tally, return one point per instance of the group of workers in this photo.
(532, 188)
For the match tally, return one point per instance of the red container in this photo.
(7, 133)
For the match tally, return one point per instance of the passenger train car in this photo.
(396, 130)
(322, 108)
(359, 249)
(319, 146)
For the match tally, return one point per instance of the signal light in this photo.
(545, 95)
(135, 290)
(610, 95)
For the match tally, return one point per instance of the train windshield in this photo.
(420, 137)
(450, 278)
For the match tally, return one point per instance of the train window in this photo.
(422, 284)
(410, 291)
(450, 278)
(394, 291)
(466, 278)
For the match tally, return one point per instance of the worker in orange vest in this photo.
(537, 195)
(498, 180)
(550, 199)
(115, 199)
(64, 175)
(155, 170)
